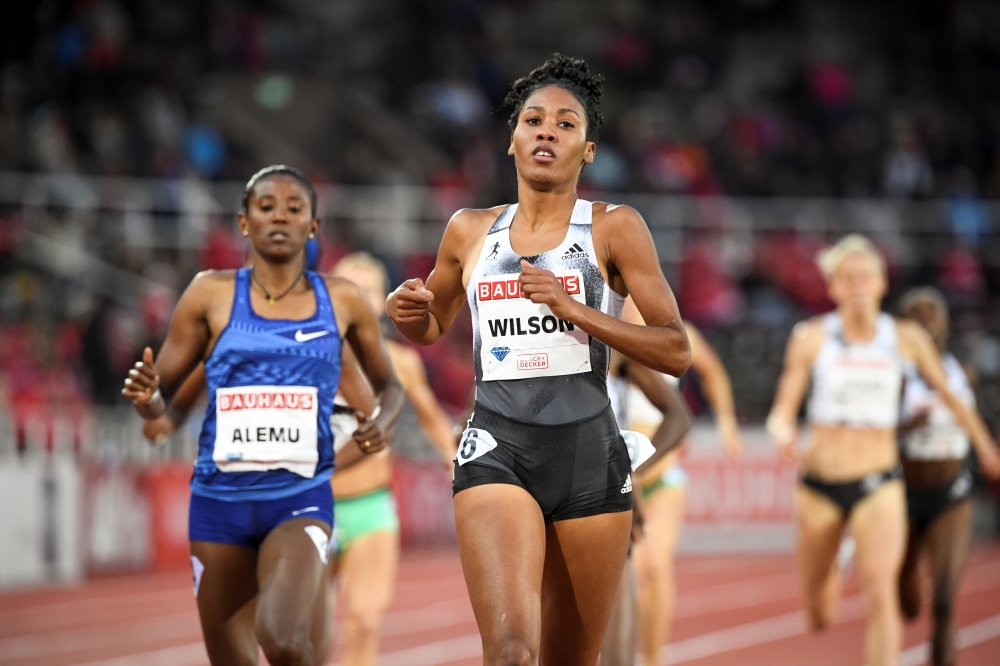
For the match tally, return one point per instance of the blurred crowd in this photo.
(712, 97)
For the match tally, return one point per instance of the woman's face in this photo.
(927, 313)
(858, 284)
(279, 218)
(549, 143)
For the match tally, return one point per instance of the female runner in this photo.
(366, 537)
(622, 636)
(542, 480)
(855, 357)
(938, 484)
(664, 489)
(261, 506)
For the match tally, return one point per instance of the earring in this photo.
(312, 235)
(246, 233)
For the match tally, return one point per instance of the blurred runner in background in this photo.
(854, 357)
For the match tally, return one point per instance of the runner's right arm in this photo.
(676, 416)
(433, 420)
(177, 412)
(424, 313)
(717, 387)
(150, 384)
(782, 422)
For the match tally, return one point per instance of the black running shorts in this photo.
(573, 470)
(925, 505)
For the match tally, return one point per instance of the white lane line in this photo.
(785, 626)
(149, 630)
(974, 634)
(751, 634)
(192, 654)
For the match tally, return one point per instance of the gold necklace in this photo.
(274, 299)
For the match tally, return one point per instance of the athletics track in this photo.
(731, 610)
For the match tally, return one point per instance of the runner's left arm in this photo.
(363, 333)
(662, 344)
(929, 364)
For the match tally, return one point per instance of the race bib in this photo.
(475, 442)
(521, 339)
(639, 448)
(863, 390)
(260, 428)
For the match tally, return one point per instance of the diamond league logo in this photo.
(500, 352)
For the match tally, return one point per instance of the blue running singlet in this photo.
(271, 384)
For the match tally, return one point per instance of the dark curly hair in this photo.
(572, 74)
(278, 170)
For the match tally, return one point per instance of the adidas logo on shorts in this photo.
(576, 252)
(628, 485)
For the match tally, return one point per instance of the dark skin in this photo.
(543, 592)
(275, 595)
(622, 636)
(946, 541)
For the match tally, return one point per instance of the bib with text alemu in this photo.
(261, 428)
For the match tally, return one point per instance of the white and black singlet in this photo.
(543, 420)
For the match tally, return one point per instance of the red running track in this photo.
(731, 610)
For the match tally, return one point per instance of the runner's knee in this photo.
(363, 626)
(511, 651)
(287, 650)
(944, 607)
(820, 617)
(881, 596)
(285, 643)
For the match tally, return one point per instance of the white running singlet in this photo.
(942, 438)
(857, 384)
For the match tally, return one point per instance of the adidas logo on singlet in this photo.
(576, 252)
(628, 485)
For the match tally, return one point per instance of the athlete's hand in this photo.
(142, 381)
(785, 437)
(369, 436)
(408, 304)
(541, 286)
(732, 442)
(989, 462)
(159, 429)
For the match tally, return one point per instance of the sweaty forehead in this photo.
(554, 97)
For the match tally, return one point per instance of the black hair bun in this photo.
(574, 75)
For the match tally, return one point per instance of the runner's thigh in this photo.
(879, 525)
(501, 540)
(226, 589)
(584, 558)
(820, 526)
(293, 578)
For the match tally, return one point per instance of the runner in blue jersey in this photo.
(271, 338)
(542, 485)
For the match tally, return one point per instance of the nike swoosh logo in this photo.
(306, 337)
(306, 510)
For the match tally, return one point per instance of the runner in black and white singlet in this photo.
(270, 336)
(542, 478)
(854, 358)
(934, 449)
